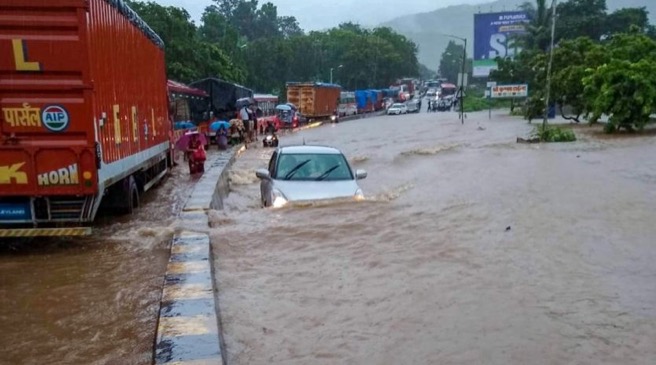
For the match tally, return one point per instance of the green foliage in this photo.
(603, 63)
(621, 21)
(553, 134)
(188, 56)
(241, 41)
(581, 18)
(624, 90)
(475, 103)
(571, 60)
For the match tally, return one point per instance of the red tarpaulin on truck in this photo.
(177, 87)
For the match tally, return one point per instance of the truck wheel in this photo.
(131, 197)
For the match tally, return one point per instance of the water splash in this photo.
(219, 218)
(359, 160)
(243, 177)
(390, 195)
(430, 151)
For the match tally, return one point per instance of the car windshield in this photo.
(313, 167)
(397, 106)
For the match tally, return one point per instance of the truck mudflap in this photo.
(45, 232)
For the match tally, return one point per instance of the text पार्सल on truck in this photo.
(84, 122)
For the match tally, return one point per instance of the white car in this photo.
(397, 108)
(308, 173)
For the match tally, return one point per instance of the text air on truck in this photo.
(84, 122)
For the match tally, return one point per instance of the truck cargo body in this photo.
(314, 100)
(364, 101)
(223, 96)
(84, 117)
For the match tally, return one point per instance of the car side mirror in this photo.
(360, 174)
(262, 174)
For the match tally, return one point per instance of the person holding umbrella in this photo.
(197, 155)
(193, 144)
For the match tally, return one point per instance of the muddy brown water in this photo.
(471, 249)
(91, 300)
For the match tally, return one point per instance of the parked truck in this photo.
(314, 100)
(84, 125)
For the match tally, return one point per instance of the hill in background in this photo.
(425, 28)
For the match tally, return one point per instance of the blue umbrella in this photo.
(283, 107)
(184, 125)
(217, 125)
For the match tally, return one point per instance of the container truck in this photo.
(314, 100)
(84, 125)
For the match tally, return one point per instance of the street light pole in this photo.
(331, 72)
(462, 83)
(551, 53)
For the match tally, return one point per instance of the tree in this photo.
(289, 27)
(537, 34)
(215, 28)
(621, 20)
(572, 59)
(188, 57)
(581, 18)
(624, 87)
(451, 61)
(242, 42)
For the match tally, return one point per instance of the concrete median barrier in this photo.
(189, 323)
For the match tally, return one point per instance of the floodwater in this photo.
(471, 249)
(90, 300)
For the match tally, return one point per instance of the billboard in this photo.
(492, 38)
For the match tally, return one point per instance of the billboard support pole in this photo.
(551, 53)
(489, 104)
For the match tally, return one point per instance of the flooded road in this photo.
(90, 300)
(470, 249)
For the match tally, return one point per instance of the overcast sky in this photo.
(321, 14)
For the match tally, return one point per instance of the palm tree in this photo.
(537, 34)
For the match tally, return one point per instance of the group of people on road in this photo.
(243, 129)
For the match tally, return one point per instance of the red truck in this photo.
(84, 124)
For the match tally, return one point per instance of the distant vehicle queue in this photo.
(202, 105)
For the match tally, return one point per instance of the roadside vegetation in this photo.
(475, 101)
(604, 64)
(244, 42)
(549, 133)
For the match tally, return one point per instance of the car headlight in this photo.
(359, 195)
(279, 199)
(332, 117)
(269, 138)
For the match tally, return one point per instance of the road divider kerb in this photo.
(189, 323)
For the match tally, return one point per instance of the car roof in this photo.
(310, 149)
